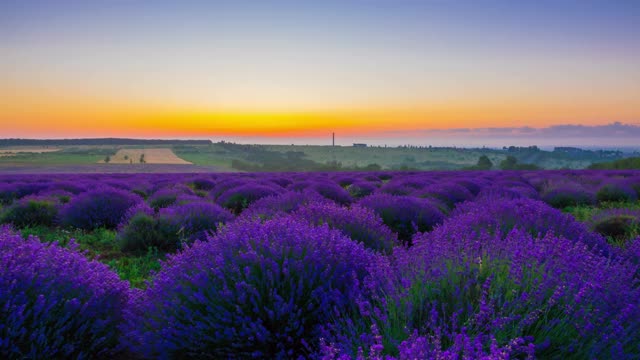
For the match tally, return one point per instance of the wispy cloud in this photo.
(613, 130)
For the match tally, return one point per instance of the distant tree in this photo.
(126, 157)
(142, 161)
(484, 163)
(509, 163)
(107, 159)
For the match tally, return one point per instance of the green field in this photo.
(229, 156)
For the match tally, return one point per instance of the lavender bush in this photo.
(238, 198)
(98, 208)
(358, 223)
(55, 304)
(254, 290)
(619, 225)
(403, 214)
(31, 211)
(561, 196)
(285, 203)
(616, 191)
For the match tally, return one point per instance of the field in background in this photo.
(148, 156)
(223, 156)
(12, 151)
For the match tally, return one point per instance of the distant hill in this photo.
(628, 163)
(100, 141)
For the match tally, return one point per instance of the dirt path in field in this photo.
(151, 156)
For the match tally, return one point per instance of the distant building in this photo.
(359, 145)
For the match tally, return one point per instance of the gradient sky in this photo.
(306, 68)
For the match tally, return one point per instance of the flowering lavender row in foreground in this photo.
(375, 265)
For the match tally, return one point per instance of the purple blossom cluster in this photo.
(256, 289)
(56, 304)
(406, 215)
(98, 208)
(195, 219)
(358, 223)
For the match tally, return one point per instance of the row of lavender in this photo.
(409, 265)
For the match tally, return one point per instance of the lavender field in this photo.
(360, 265)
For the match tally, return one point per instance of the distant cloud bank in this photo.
(611, 135)
(613, 130)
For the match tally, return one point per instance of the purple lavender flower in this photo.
(55, 304)
(567, 194)
(285, 203)
(98, 208)
(193, 220)
(616, 191)
(403, 214)
(360, 189)
(533, 216)
(238, 198)
(254, 290)
(359, 223)
(448, 193)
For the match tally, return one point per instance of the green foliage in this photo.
(456, 298)
(30, 213)
(144, 232)
(137, 269)
(511, 163)
(140, 192)
(628, 163)
(484, 163)
(162, 201)
(618, 229)
(102, 245)
(99, 242)
(616, 192)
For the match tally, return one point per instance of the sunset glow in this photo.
(213, 69)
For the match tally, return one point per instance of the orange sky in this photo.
(212, 69)
(46, 114)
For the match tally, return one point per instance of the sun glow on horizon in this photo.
(293, 69)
